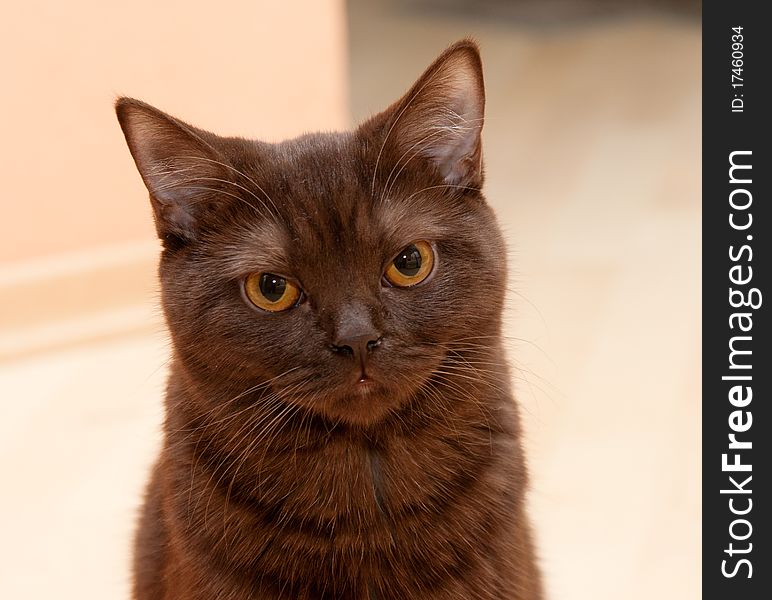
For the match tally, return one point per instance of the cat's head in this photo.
(342, 267)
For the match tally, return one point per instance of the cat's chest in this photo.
(367, 513)
(374, 486)
(356, 513)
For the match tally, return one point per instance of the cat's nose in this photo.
(356, 335)
(357, 346)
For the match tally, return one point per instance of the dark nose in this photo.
(356, 335)
(357, 346)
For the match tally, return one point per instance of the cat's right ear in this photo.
(180, 168)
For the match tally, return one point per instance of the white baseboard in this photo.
(72, 298)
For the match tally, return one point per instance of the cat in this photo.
(339, 416)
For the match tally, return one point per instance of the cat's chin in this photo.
(363, 403)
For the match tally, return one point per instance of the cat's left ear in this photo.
(440, 118)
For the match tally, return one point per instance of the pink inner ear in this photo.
(444, 118)
(459, 140)
(179, 168)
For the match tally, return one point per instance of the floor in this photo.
(74, 452)
(592, 149)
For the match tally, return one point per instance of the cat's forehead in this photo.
(321, 199)
(328, 187)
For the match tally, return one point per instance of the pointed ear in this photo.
(180, 167)
(441, 117)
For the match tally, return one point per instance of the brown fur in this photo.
(277, 478)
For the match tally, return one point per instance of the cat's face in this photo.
(341, 267)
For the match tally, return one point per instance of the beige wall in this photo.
(267, 69)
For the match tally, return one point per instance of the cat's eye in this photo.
(271, 292)
(411, 266)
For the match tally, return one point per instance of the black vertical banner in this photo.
(737, 371)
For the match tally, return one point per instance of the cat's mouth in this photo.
(365, 384)
(366, 403)
(364, 393)
(362, 398)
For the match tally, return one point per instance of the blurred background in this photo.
(592, 142)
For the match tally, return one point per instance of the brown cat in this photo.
(339, 417)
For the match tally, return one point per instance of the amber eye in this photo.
(271, 292)
(411, 266)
